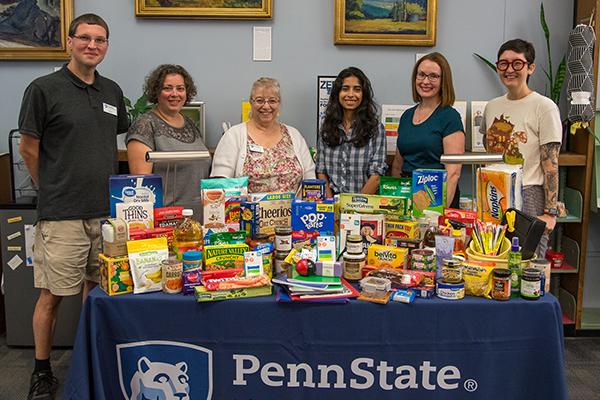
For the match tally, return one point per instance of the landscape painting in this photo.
(385, 22)
(209, 9)
(34, 29)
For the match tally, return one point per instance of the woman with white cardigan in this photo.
(273, 156)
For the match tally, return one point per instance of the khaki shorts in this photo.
(65, 253)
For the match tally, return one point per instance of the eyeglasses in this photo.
(517, 65)
(85, 39)
(433, 77)
(179, 89)
(259, 101)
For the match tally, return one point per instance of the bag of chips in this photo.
(478, 278)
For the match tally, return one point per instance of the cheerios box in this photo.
(271, 210)
(311, 219)
(115, 275)
(429, 191)
(135, 189)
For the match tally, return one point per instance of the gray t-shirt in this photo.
(181, 180)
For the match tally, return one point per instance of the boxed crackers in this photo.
(135, 189)
(387, 256)
(428, 191)
(115, 276)
(139, 215)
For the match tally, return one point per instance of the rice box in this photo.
(387, 256)
(115, 276)
(135, 189)
(428, 191)
(311, 219)
(224, 256)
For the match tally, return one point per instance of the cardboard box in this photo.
(274, 209)
(224, 256)
(387, 256)
(310, 219)
(139, 215)
(393, 207)
(115, 275)
(135, 189)
(115, 234)
(203, 295)
(429, 191)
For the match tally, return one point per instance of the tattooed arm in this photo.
(549, 159)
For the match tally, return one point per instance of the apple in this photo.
(305, 267)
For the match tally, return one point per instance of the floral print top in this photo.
(276, 169)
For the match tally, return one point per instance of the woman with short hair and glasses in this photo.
(274, 156)
(351, 147)
(526, 127)
(165, 128)
(432, 127)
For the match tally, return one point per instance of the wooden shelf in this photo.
(590, 318)
(570, 159)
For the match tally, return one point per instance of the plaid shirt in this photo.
(349, 167)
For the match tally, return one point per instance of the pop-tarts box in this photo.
(135, 189)
(429, 191)
(311, 219)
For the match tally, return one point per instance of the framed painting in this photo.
(204, 9)
(34, 29)
(385, 22)
(195, 111)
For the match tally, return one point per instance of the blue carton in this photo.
(311, 219)
(135, 189)
(428, 191)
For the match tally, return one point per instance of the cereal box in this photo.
(311, 219)
(387, 256)
(135, 189)
(115, 277)
(400, 229)
(428, 191)
(224, 256)
(393, 207)
(274, 209)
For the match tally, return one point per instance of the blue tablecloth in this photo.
(164, 346)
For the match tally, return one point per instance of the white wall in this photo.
(219, 55)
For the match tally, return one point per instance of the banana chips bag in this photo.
(429, 191)
(145, 259)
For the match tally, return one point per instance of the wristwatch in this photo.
(553, 212)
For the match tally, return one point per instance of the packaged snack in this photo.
(311, 219)
(387, 256)
(404, 295)
(233, 210)
(115, 276)
(393, 207)
(114, 237)
(135, 189)
(161, 232)
(250, 218)
(138, 215)
(202, 294)
(428, 191)
(478, 278)
(401, 230)
(391, 186)
(238, 237)
(400, 279)
(145, 258)
(273, 210)
(215, 193)
(238, 282)
(224, 256)
(191, 279)
(166, 217)
(371, 229)
(313, 189)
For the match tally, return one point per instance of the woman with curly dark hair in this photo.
(351, 147)
(165, 128)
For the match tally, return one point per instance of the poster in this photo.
(390, 117)
(477, 108)
(324, 85)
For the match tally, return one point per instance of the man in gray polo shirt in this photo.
(68, 123)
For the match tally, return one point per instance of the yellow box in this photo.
(115, 275)
(401, 229)
(387, 256)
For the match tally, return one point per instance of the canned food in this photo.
(172, 271)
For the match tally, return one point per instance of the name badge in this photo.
(256, 148)
(109, 109)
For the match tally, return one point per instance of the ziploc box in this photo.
(429, 191)
(310, 219)
(135, 189)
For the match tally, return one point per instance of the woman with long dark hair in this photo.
(351, 146)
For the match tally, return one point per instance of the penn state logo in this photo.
(164, 370)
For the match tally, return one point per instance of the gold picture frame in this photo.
(41, 35)
(386, 22)
(204, 9)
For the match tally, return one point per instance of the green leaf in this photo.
(127, 102)
(547, 74)
(559, 80)
(486, 61)
(547, 36)
(141, 102)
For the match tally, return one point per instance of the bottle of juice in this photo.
(514, 265)
(187, 235)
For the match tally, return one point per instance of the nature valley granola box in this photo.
(428, 191)
(224, 256)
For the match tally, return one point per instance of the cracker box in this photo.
(311, 219)
(428, 191)
(400, 229)
(139, 215)
(387, 256)
(393, 207)
(273, 210)
(224, 256)
(166, 217)
(115, 276)
(135, 189)
(313, 189)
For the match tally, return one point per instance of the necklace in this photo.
(173, 121)
(421, 113)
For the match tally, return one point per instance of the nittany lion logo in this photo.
(164, 370)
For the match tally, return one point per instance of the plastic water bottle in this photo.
(187, 235)
(514, 265)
